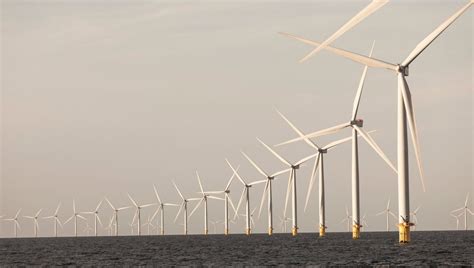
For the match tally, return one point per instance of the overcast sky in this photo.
(101, 98)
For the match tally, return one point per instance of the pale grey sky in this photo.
(101, 98)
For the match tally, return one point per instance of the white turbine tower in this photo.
(16, 224)
(35, 222)
(184, 207)
(246, 192)
(96, 217)
(203, 200)
(356, 126)
(137, 212)
(319, 162)
(74, 216)
(387, 212)
(161, 208)
(405, 113)
(55, 216)
(347, 219)
(464, 212)
(227, 200)
(267, 191)
(115, 215)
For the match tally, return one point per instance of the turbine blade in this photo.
(374, 146)
(355, 106)
(98, 206)
(467, 199)
(156, 194)
(275, 153)
(196, 207)
(319, 133)
(411, 122)
(231, 178)
(179, 192)
(335, 143)
(311, 181)
(264, 194)
(431, 37)
(232, 205)
(133, 201)
(57, 209)
(306, 159)
(179, 211)
(98, 219)
(38, 213)
(258, 182)
(236, 173)
(276, 174)
(255, 166)
(110, 204)
(371, 62)
(364, 13)
(68, 220)
(81, 217)
(147, 205)
(215, 197)
(199, 180)
(299, 132)
(240, 202)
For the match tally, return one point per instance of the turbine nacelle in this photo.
(403, 70)
(322, 151)
(357, 122)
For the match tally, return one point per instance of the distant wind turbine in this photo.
(115, 215)
(387, 212)
(161, 208)
(347, 219)
(464, 212)
(35, 222)
(184, 207)
(75, 216)
(137, 212)
(96, 217)
(16, 224)
(55, 216)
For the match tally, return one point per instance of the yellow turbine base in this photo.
(356, 231)
(247, 231)
(322, 231)
(404, 232)
(270, 230)
(294, 231)
(226, 231)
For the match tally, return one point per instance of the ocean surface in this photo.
(378, 248)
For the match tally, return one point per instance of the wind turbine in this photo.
(405, 113)
(115, 215)
(110, 225)
(184, 207)
(387, 212)
(55, 216)
(96, 217)
(464, 212)
(227, 200)
(348, 220)
(246, 192)
(74, 216)
(87, 230)
(267, 191)
(291, 184)
(161, 208)
(415, 219)
(35, 221)
(356, 126)
(137, 213)
(283, 222)
(319, 161)
(364, 221)
(457, 220)
(252, 222)
(148, 224)
(203, 200)
(16, 224)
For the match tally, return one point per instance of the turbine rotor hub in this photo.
(322, 151)
(357, 122)
(403, 70)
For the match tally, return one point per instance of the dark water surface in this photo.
(427, 248)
